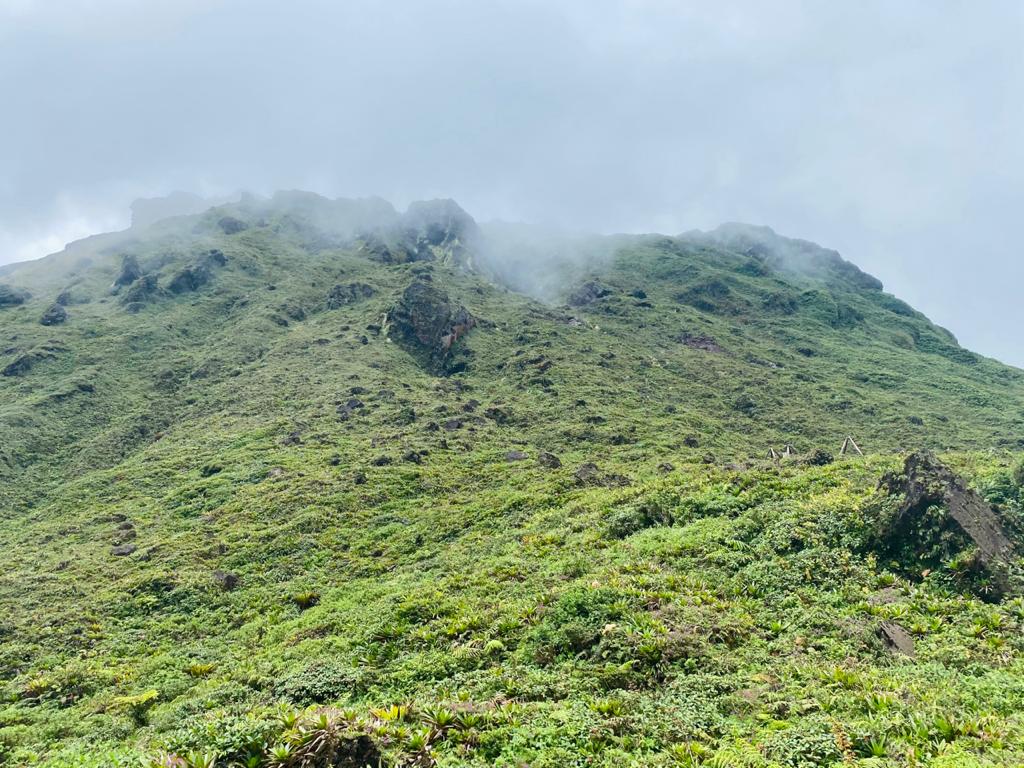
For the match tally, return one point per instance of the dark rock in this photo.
(452, 424)
(428, 326)
(335, 460)
(189, 279)
(639, 293)
(381, 461)
(691, 441)
(896, 639)
(342, 295)
(412, 457)
(356, 752)
(515, 456)
(964, 521)
(21, 365)
(819, 458)
(498, 415)
(357, 390)
(293, 438)
(130, 271)
(548, 460)
(351, 406)
(229, 225)
(54, 315)
(359, 478)
(588, 293)
(439, 230)
(588, 474)
(122, 550)
(665, 467)
(64, 298)
(699, 341)
(141, 291)
(12, 297)
(225, 580)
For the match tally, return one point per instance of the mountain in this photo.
(493, 495)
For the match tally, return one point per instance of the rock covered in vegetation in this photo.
(130, 271)
(12, 297)
(230, 225)
(588, 293)
(440, 230)
(939, 517)
(141, 292)
(349, 293)
(429, 326)
(54, 315)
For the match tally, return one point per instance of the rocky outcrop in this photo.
(130, 271)
(140, 292)
(699, 341)
(440, 230)
(588, 293)
(896, 639)
(189, 279)
(429, 326)
(54, 315)
(350, 293)
(229, 225)
(12, 297)
(939, 518)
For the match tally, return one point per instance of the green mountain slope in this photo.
(309, 452)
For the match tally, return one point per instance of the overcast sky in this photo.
(891, 131)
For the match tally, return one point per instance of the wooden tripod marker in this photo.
(788, 451)
(850, 444)
(773, 454)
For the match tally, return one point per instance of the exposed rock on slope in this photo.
(12, 297)
(940, 518)
(429, 326)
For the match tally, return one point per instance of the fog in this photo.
(886, 130)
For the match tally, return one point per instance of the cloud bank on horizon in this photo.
(886, 130)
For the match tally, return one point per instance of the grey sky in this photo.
(888, 130)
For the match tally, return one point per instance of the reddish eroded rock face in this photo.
(428, 326)
(699, 341)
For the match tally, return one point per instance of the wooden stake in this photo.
(850, 444)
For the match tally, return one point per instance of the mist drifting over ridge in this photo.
(890, 142)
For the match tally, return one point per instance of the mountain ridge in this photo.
(294, 452)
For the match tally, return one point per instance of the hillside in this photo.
(502, 496)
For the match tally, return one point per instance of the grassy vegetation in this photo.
(325, 540)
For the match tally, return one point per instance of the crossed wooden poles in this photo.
(849, 446)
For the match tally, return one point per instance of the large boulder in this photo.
(54, 315)
(936, 520)
(588, 293)
(440, 230)
(429, 326)
(130, 271)
(190, 278)
(12, 297)
(350, 293)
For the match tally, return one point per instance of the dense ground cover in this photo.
(232, 490)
